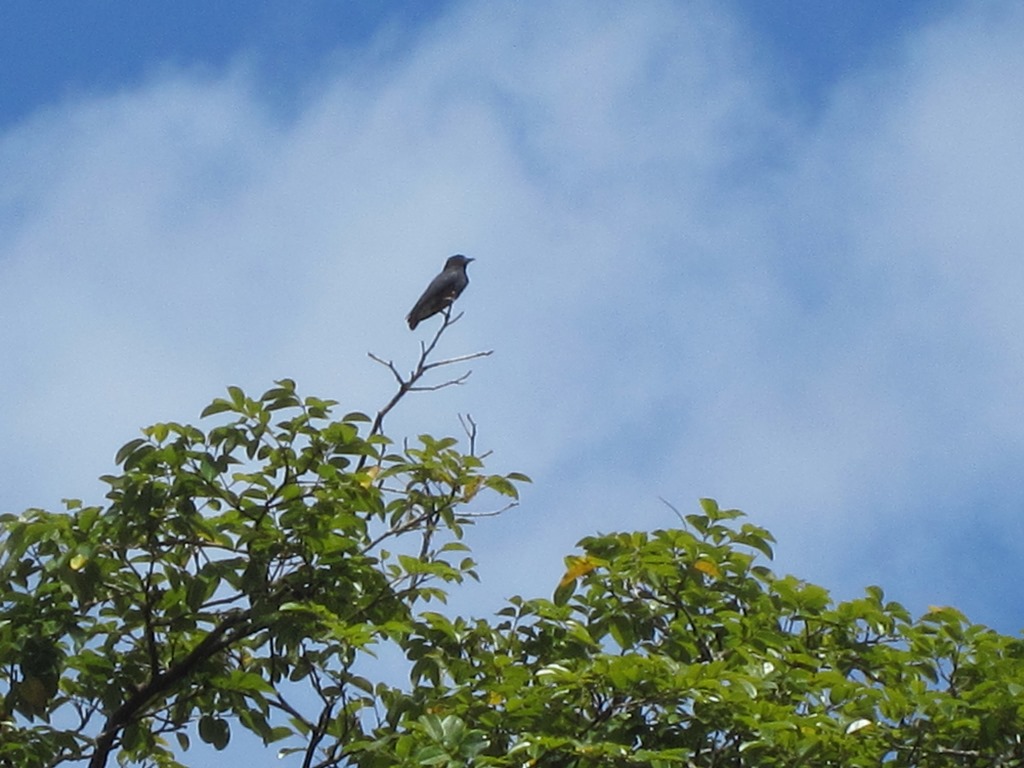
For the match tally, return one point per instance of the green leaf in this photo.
(564, 591)
(622, 630)
(158, 432)
(237, 397)
(217, 406)
(214, 731)
(128, 449)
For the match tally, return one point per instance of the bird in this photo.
(442, 291)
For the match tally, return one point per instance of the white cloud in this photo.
(881, 396)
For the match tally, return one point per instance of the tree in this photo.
(679, 648)
(229, 569)
(240, 575)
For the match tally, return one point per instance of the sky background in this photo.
(771, 253)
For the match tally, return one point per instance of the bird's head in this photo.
(458, 260)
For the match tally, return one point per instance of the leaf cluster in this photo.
(681, 648)
(233, 576)
(245, 574)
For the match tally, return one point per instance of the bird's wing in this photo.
(433, 300)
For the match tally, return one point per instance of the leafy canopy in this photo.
(242, 576)
(680, 648)
(233, 576)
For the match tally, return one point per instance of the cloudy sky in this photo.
(771, 253)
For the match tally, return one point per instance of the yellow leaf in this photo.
(709, 568)
(371, 475)
(469, 490)
(494, 698)
(78, 562)
(576, 567)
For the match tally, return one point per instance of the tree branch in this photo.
(409, 384)
(233, 628)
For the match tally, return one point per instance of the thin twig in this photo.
(670, 506)
(387, 364)
(322, 722)
(495, 513)
(469, 427)
(459, 359)
(434, 387)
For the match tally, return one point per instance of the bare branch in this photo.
(409, 383)
(451, 382)
(495, 513)
(387, 364)
(459, 359)
(678, 513)
(469, 427)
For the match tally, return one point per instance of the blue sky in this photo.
(63, 49)
(765, 252)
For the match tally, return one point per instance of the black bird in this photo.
(442, 291)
